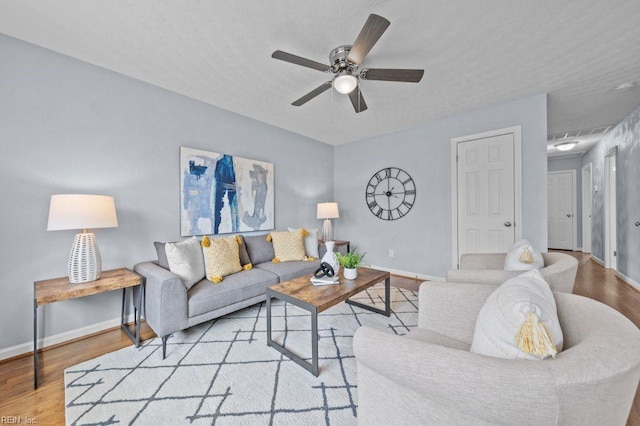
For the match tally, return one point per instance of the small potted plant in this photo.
(350, 262)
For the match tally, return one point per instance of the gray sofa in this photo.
(170, 307)
(488, 268)
(430, 377)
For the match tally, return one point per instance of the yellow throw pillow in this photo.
(288, 246)
(221, 257)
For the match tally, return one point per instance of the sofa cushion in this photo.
(186, 260)
(519, 320)
(242, 251)
(289, 270)
(221, 257)
(259, 249)
(206, 296)
(162, 254)
(310, 241)
(523, 257)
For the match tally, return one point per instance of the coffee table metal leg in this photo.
(313, 367)
(387, 301)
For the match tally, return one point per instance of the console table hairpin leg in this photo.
(113, 280)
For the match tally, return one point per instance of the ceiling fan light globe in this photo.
(345, 83)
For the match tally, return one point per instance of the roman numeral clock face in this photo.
(391, 193)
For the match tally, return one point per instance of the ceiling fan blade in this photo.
(357, 100)
(409, 76)
(288, 57)
(368, 37)
(312, 94)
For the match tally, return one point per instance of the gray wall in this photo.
(422, 239)
(572, 163)
(67, 126)
(625, 136)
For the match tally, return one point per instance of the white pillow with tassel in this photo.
(523, 257)
(519, 320)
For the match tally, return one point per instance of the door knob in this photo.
(507, 224)
(568, 214)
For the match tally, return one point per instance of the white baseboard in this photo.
(595, 259)
(47, 341)
(628, 280)
(409, 274)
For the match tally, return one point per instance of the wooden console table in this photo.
(58, 289)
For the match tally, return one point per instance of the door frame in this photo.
(587, 206)
(610, 199)
(574, 206)
(516, 131)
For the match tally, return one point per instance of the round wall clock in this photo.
(390, 193)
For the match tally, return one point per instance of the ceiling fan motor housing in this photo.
(338, 59)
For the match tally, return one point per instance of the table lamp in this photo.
(82, 211)
(327, 211)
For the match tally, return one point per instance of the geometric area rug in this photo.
(222, 372)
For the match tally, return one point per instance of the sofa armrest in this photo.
(451, 309)
(493, 277)
(491, 389)
(479, 261)
(166, 309)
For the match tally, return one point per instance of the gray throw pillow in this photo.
(244, 256)
(162, 255)
(259, 249)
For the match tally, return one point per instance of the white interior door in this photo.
(486, 194)
(561, 214)
(610, 211)
(587, 207)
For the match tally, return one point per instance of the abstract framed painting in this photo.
(222, 194)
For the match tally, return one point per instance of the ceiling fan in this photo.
(344, 63)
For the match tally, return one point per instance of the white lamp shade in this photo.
(327, 211)
(81, 211)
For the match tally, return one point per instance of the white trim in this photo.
(409, 274)
(516, 131)
(46, 341)
(587, 213)
(597, 260)
(628, 280)
(610, 232)
(574, 206)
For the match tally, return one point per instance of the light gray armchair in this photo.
(430, 377)
(488, 268)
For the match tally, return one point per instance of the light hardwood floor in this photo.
(46, 405)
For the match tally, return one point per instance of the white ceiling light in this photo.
(345, 83)
(566, 146)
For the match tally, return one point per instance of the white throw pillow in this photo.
(523, 257)
(519, 320)
(186, 260)
(310, 242)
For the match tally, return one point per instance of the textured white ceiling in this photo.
(474, 53)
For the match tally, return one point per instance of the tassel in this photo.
(309, 258)
(217, 279)
(247, 266)
(269, 238)
(526, 256)
(206, 242)
(534, 338)
(304, 232)
(275, 260)
(239, 240)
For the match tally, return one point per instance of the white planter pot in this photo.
(350, 274)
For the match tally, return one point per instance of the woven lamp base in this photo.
(85, 263)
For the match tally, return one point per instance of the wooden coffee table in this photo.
(315, 299)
